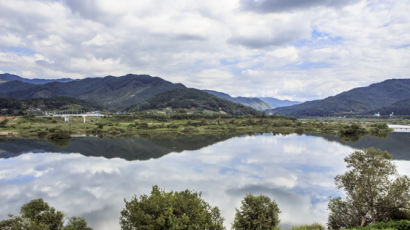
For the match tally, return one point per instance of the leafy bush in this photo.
(38, 215)
(352, 130)
(3, 123)
(257, 212)
(170, 210)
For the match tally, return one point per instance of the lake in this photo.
(91, 176)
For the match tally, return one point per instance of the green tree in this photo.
(38, 215)
(77, 223)
(374, 191)
(170, 210)
(257, 213)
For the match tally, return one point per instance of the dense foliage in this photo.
(12, 107)
(355, 101)
(187, 98)
(38, 215)
(257, 212)
(170, 210)
(374, 191)
(401, 107)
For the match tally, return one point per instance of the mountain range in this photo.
(258, 103)
(143, 92)
(389, 96)
(252, 102)
(11, 77)
(126, 93)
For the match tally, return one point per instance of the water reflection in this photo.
(296, 171)
(144, 148)
(397, 144)
(128, 148)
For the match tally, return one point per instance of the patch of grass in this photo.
(314, 226)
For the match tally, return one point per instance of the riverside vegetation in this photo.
(376, 198)
(181, 123)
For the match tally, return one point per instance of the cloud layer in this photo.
(288, 49)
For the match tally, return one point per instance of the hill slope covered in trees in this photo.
(361, 100)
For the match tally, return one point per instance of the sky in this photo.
(289, 49)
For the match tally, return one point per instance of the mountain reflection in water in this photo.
(145, 148)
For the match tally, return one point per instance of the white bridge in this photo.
(83, 115)
(400, 128)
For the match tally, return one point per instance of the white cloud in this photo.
(288, 49)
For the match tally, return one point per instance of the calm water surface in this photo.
(90, 176)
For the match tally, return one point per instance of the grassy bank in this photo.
(55, 128)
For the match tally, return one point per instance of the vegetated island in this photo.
(181, 123)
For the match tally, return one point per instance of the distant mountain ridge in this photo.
(258, 103)
(252, 102)
(387, 96)
(275, 103)
(120, 93)
(11, 77)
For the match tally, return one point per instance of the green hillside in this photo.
(113, 93)
(187, 98)
(398, 108)
(356, 101)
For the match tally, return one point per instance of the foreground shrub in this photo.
(257, 212)
(170, 210)
(309, 227)
(38, 215)
(374, 191)
(394, 225)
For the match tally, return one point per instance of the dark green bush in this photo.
(257, 212)
(170, 210)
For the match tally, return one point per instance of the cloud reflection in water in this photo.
(296, 171)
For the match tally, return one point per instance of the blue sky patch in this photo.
(19, 180)
(309, 65)
(21, 51)
(319, 39)
(404, 46)
(225, 61)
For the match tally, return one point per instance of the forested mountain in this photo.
(252, 102)
(135, 92)
(57, 104)
(113, 93)
(361, 100)
(188, 98)
(401, 107)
